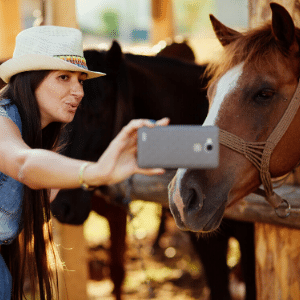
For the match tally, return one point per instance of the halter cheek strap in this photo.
(259, 153)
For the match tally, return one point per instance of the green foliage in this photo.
(111, 23)
(190, 15)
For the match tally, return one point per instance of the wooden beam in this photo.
(162, 20)
(10, 26)
(254, 208)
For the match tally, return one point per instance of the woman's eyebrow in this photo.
(82, 73)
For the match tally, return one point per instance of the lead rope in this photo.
(259, 153)
(127, 200)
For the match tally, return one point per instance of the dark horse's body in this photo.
(142, 87)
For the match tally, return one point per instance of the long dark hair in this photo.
(33, 251)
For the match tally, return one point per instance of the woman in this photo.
(45, 86)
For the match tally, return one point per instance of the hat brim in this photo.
(35, 62)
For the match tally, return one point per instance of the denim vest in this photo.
(11, 191)
(11, 195)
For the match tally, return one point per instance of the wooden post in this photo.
(72, 249)
(64, 13)
(10, 26)
(71, 239)
(162, 20)
(277, 253)
(277, 248)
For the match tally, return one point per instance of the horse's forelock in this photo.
(257, 47)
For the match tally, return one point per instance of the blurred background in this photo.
(131, 22)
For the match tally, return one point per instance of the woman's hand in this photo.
(119, 161)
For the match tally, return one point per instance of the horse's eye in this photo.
(264, 96)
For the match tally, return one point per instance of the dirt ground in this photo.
(173, 271)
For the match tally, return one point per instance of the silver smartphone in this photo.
(178, 146)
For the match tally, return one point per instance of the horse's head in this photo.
(252, 87)
(180, 50)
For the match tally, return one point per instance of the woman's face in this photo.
(59, 95)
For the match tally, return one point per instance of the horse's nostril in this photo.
(193, 200)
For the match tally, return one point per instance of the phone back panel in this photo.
(178, 146)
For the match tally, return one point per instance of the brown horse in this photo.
(253, 85)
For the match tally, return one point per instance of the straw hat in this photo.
(47, 48)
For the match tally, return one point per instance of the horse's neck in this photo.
(174, 69)
(168, 87)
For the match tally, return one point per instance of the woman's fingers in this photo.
(163, 122)
(151, 172)
(131, 128)
(134, 125)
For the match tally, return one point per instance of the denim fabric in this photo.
(11, 191)
(5, 281)
(11, 195)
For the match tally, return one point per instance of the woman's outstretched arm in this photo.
(38, 168)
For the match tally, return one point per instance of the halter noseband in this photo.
(259, 153)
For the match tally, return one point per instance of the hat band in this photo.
(77, 60)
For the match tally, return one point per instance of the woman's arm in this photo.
(38, 168)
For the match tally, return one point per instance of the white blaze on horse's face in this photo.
(225, 85)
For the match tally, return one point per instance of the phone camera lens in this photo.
(209, 147)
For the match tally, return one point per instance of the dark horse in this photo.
(139, 87)
(254, 90)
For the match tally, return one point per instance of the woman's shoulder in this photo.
(4, 103)
(9, 110)
(7, 104)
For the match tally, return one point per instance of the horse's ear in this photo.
(283, 28)
(224, 34)
(114, 56)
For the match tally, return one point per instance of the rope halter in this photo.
(259, 153)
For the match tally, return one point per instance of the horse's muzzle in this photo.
(190, 208)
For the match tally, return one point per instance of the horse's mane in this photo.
(256, 46)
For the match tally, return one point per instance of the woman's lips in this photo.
(72, 107)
